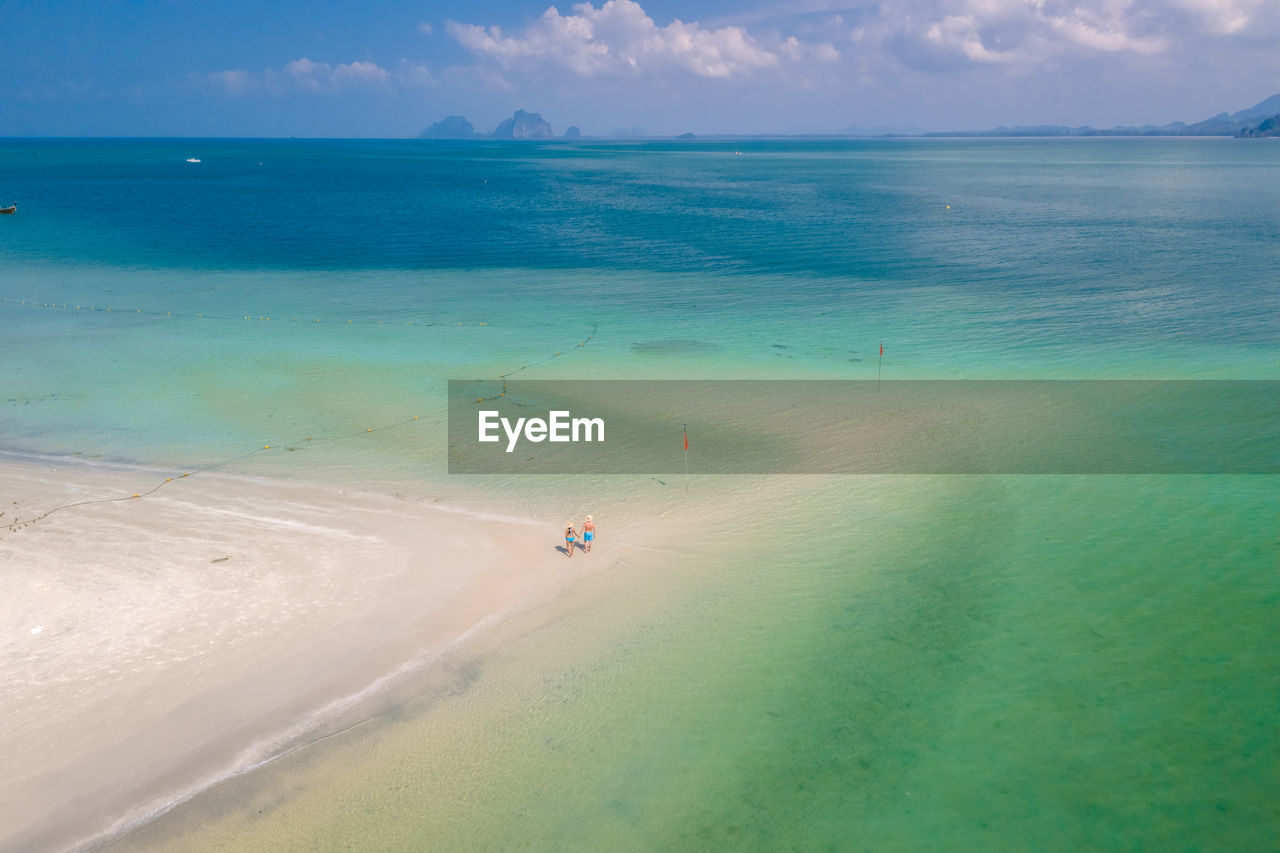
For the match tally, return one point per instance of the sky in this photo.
(389, 69)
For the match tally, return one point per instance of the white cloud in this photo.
(960, 32)
(1112, 36)
(306, 75)
(620, 38)
(938, 35)
(235, 81)
(425, 28)
(413, 75)
(1223, 16)
(357, 73)
(322, 77)
(798, 51)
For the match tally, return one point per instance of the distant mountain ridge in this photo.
(1244, 123)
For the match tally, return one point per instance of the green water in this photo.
(1055, 663)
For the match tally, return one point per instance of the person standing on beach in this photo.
(588, 533)
(569, 536)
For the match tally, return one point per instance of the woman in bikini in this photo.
(569, 536)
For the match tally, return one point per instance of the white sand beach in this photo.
(154, 645)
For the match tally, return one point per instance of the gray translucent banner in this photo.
(864, 427)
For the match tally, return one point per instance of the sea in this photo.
(829, 662)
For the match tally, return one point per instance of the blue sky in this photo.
(238, 68)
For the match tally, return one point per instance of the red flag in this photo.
(686, 441)
(882, 347)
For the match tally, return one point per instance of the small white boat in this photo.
(192, 160)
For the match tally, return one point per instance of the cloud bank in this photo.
(619, 38)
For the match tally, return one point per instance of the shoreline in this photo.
(196, 634)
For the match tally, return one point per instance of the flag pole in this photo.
(880, 365)
(686, 455)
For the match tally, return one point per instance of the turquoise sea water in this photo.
(866, 663)
(1086, 259)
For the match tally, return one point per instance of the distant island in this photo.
(450, 127)
(522, 125)
(1243, 124)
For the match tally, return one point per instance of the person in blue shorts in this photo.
(569, 536)
(588, 533)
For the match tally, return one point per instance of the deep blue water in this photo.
(1192, 222)
(989, 259)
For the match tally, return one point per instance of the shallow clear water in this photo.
(1055, 663)
(866, 663)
